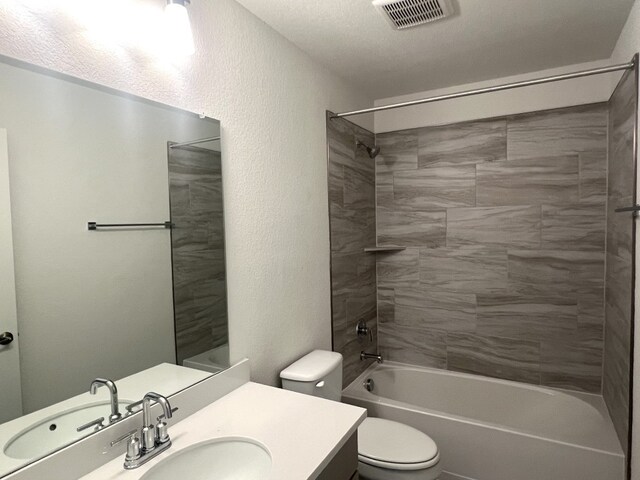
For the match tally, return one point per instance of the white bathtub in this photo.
(490, 429)
(214, 360)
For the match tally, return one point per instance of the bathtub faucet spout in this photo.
(366, 356)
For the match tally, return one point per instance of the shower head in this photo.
(372, 151)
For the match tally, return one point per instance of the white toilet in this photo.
(386, 450)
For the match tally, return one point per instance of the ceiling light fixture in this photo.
(179, 35)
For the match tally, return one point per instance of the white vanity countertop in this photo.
(165, 378)
(301, 432)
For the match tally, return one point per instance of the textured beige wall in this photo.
(271, 99)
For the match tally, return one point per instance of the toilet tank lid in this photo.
(312, 367)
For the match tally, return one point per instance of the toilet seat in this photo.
(395, 446)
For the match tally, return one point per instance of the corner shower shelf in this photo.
(383, 249)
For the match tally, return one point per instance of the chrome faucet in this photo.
(154, 438)
(366, 356)
(113, 393)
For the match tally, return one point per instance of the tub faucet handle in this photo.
(362, 330)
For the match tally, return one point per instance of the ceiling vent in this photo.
(403, 14)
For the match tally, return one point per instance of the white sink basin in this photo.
(56, 431)
(227, 458)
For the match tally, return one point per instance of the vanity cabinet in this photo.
(344, 464)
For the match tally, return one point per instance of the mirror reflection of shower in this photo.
(199, 143)
(198, 254)
(372, 151)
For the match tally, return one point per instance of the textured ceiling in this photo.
(485, 39)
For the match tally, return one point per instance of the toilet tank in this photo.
(318, 373)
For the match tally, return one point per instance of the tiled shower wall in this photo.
(619, 295)
(504, 224)
(353, 228)
(198, 256)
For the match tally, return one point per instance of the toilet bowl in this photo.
(394, 451)
(387, 450)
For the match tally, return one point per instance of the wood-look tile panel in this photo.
(438, 310)
(415, 228)
(398, 151)
(473, 270)
(358, 191)
(554, 271)
(351, 230)
(591, 306)
(549, 180)
(593, 176)
(435, 188)
(526, 316)
(620, 229)
(573, 227)
(517, 226)
(386, 305)
(352, 197)
(505, 358)
(573, 362)
(398, 269)
(563, 131)
(413, 345)
(471, 142)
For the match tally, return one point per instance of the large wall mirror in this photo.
(112, 260)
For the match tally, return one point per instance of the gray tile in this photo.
(180, 198)
(506, 358)
(464, 270)
(593, 176)
(573, 227)
(339, 320)
(615, 380)
(620, 228)
(336, 185)
(359, 190)
(351, 176)
(352, 365)
(413, 345)
(386, 305)
(435, 310)
(618, 292)
(591, 307)
(398, 269)
(620, 185)
(549, 272)
(384, 191)
(573, 363)
(494, 226)
(435, 188)
(527, 317)
(344, 272)
(472, 142)
(351, 230)
(398, 151)
(416, 229)
(539, 180)
(563, 131)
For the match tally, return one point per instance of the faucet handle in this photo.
(132, 406)
(133, 444)
(93, 423)
(162, 433)
(362, 330)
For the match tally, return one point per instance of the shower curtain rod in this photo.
(194, 142)
(508, 86)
